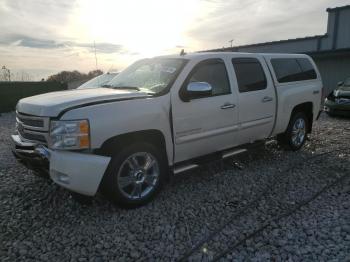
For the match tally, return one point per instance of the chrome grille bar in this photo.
(33, 122)
(33, 128)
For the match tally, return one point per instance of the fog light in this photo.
(60, 177)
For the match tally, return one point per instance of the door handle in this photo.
(315, 92)
(266, 99)
(227, 106)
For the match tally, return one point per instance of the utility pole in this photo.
(231, 41)
(95, 54)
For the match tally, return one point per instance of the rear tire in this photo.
(295, 136)
(135, 175)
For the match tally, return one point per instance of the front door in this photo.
(206, 124)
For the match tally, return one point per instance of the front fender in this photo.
(123, 117)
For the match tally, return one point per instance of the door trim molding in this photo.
(256, 122)
(206, 134)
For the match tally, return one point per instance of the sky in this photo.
(42, 37)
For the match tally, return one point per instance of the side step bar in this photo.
(227, 154)
(233, 152)
(181, 169)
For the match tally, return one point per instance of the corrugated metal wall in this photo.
(333, 69)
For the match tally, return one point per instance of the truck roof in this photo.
(222, 54)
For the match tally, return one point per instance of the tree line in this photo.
(62, 77)
(71, 76)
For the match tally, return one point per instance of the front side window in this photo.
(250, 74)
(153, 75)
(214, 73)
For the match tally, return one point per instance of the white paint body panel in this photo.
(294, 93)
(256, 118)
(81, 173)
(122, 117)
(51, 104)
(201, 126)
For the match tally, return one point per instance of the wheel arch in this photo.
(115, 143)
(307, 108)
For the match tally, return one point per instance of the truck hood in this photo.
(52, 104)
(341, 93)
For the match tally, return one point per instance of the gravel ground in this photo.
(40, 221)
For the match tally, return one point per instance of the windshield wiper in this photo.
(106, 86)
(127, 87)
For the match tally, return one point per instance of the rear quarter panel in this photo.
(292, 94)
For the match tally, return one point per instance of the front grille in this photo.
(32, 137)
(31, 122)
(33, 128)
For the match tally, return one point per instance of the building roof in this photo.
(270, 43)
(336, 38)
(337, 8)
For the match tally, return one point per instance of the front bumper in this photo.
(28, 154)
(78, 172)
(337, 109)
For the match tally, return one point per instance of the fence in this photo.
(11, 92)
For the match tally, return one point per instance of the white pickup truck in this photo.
(162, 115)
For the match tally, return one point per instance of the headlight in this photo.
(69, 134)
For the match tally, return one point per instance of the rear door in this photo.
(257, 98)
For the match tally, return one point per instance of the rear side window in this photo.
(250, 74)
(293, 69)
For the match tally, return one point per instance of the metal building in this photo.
(330, 51)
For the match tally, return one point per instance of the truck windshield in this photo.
(98, 81)
(345, 86)
(347, 82)
(153, 75)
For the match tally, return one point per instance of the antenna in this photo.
(182, 53)
(95, 54)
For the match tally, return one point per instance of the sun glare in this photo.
(142, 27)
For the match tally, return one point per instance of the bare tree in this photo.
(71, 76)
(5, 74)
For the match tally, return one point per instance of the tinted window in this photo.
(307, 68)
(291, 69)
(287, 70)
(213, 72)
(250, 75)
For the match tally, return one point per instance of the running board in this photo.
(234, 152)
(181, 169)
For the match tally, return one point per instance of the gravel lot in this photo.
(40, 221)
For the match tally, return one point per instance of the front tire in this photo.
(295, 136)
(135, 175)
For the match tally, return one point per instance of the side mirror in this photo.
(340, 83)
(197, 90)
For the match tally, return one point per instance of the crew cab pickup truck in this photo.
(162, 115)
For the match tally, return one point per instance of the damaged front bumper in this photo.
(78, 172)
